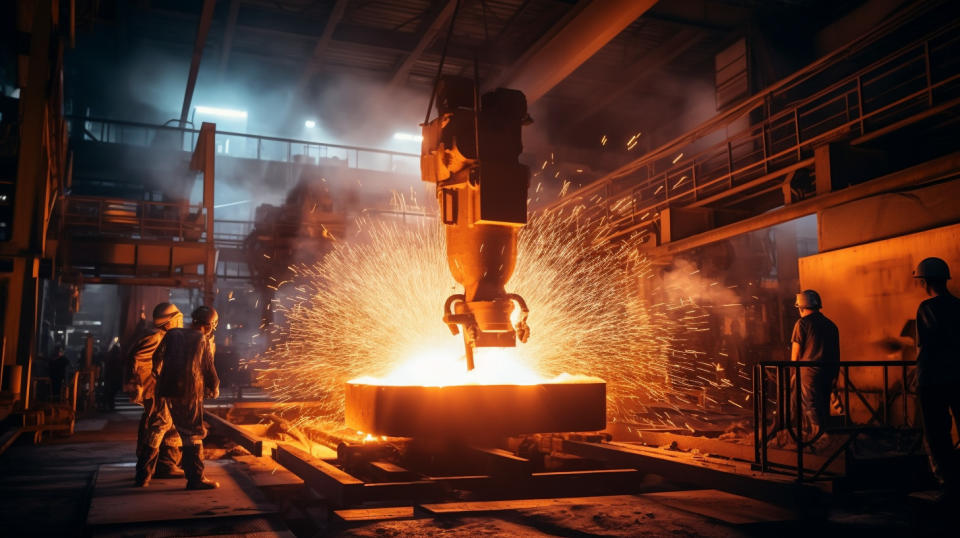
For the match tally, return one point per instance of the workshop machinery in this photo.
(471, 152)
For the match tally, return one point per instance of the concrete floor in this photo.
(46, 490)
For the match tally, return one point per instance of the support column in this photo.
(21, 255)
(204, 159)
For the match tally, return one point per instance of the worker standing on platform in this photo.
(183, 364)
(938, 370)
(140, 384)
(815, 338)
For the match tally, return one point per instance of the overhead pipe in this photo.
(206, 17)
(585, 30)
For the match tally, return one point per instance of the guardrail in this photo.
(786, 413)
(245, 146)
(133, 218)
(906, 86)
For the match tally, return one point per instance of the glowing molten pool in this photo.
(495, 366)
(476, 411)
(432, 396)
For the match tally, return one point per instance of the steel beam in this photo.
(237, 434)
(552, 484)
(206, 17)
(326, 37)
(499, 462)
(228, 37)
(426, 39)
(637, 71)
(684, 469)
(385, 471)
(584, 31)
(342, 489)
(203, 160)
(744, 453)
(338, 487)
(915, 175)
(475, 411)
(38, 176)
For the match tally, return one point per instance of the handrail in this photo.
(789, 400)
(838, 363)
(179, 221)
(232, 133)
(251, 146)
(760, 99)
(109, 200)
(753, 161)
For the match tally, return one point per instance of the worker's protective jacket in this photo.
(938, 339)
(183, 364)
(139, 364)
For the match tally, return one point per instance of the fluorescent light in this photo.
(230, 204)
(225, 112)
(407, 137)
(310, 124)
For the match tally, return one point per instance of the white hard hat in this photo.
(164, 312)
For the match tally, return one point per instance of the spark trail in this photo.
(372, 307)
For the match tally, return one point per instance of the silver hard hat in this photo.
(808, 299)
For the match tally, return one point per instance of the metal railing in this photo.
(786, 412)
(904, 87)
(245, 146)
(229, 233)
(137, 219)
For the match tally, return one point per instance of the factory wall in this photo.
(889, 215)
(869, 292)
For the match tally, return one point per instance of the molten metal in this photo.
(476, 411)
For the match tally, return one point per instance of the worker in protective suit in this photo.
(183, 365)
(140, 385)
(938, 370)
(815, 338)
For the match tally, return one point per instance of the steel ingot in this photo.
(474, 411)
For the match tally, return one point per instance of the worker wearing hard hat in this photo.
(815, 338)
(938, 370)
(183, 364)
(140, 385)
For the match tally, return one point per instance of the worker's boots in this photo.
(193, 468)
(168, 464)
(169, 472)
(203, 483)
(146, 464)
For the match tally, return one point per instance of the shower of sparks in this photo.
(372, 308)
(603, 140)
(677, 158)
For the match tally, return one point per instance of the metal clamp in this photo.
(521, 327)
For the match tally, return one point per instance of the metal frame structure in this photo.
(42, 167)
(262, 148)
(140, 242)
(366, 472)
(899, 90)
(788, 401)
